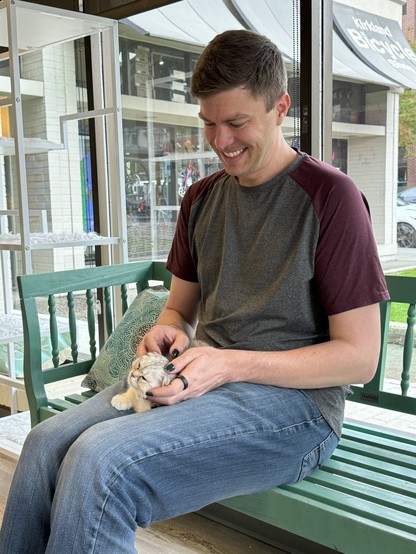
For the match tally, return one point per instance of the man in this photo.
(275, 268)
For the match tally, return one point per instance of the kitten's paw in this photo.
(121, 402)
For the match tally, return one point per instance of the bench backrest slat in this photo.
(72, 322)
(108, 313)
(89, 295)
(408, 350)
(53, 327)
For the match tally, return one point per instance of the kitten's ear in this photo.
(165, 381)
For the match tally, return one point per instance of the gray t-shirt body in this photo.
(275, 260)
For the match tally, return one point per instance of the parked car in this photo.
(408, 194)
(406, 223)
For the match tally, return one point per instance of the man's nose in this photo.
(223, 137)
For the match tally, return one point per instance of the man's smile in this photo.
(234, 154)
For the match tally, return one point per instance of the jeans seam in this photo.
(230, 436)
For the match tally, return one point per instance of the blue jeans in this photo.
(89, 476)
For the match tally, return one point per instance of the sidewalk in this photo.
(405, 423)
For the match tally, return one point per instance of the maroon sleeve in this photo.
(347, 267)
(180, 262)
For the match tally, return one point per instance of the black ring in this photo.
(184, 381)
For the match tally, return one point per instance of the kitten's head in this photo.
(147, 372)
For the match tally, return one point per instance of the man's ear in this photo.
(282, 107)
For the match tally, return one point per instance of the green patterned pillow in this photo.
(119, 351)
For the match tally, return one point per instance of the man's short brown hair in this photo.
(240, 59)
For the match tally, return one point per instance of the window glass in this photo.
(165, 151)
(365, 107)
(365, 110)
(164, 148)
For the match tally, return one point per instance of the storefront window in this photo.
(168, 134)
(372, 65)
(164, 146)
(152, 71)
(348, 102)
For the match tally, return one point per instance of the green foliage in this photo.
(407, 132)
(399, 311)
(407, 123)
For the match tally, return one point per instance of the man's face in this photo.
(243, 135)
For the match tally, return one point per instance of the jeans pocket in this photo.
(318, 456)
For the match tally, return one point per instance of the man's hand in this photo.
(167, 340)
(203, 369)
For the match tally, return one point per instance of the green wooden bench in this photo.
(107, 285)
(362, 501)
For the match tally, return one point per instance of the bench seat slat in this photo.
(76, 398)
(370, 430)
(354, 506)
(88, 393)
(379, 454)
(386, 443)
(330, 526)
(370, 476)
(379, 496)
(46, 412)
(363, 461)
(60, 404)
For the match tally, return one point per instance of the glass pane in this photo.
(367, 110)
(165, 151)
(372, 65)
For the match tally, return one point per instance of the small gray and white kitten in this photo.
(147, 372)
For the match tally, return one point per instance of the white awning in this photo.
(189, 21)
(346, 65)
(379, 42)
(271, 19)
(274, 18)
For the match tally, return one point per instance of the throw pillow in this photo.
(119, 351)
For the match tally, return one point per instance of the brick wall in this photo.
(409, 31)
(409, 20)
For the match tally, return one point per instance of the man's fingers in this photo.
(176, 387)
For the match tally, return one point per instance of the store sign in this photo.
(379, 42)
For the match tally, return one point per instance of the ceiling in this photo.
(116, 9)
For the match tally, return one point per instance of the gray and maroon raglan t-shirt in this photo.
(273, 261)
